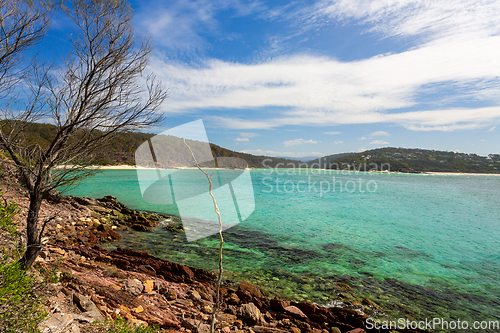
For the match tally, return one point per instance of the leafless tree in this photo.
(98, 94)
(22, 25)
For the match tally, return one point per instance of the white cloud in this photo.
(379, 142)
(379, 133)
(362, 138)
(181, 25)
(241, 139)
(280, 154)
(332, 133)
(430, 19)
(491, 129)
(248, 135)
(341, 92)
(296, 142)
(338, 142)
(362, 149)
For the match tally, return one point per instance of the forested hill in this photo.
(121, 150)
(411, 160)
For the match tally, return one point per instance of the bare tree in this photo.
(97, 95)
(22, 25)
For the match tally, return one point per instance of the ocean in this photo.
(419, 245)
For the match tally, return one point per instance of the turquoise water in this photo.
(428, 242)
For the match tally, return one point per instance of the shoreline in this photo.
(444, 173)
(105, 278)
(351, 303)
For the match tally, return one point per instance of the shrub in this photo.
(20, 305)
(120, 325)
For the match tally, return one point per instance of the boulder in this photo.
(295, 312)
(226, 317)
(56, 323)
(247, 286)
(88, 307)
(250, 313)
(194, 295)
(134, 286)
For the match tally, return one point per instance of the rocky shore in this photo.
(98, 221)
(95, 284)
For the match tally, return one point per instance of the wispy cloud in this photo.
(296, 142)
(341, 92)
(338, 142)
(248, 135)
(491, 129)
(430, 19)
(333, 133)
(362, 138)
(379, 142)
(379, 133)
(183, 25)
(245, 137)
(281, 154)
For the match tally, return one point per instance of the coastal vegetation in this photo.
(21, 307)
(89, 99)
(410, 161)
(121, 148)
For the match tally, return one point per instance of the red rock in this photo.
(295, 312)
(114, 234)
(279, 305)
(346, 316)
(83, 239)
(234, 299)
(245, 296)
(247, 286)
(92, 238)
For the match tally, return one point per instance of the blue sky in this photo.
(313, 78)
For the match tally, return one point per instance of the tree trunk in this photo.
(33, 245)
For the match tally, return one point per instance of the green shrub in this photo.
(20, 305)
(120, 325)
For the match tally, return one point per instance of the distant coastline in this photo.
(132, 167)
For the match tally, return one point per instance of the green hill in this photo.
(411, 160)
(121, 149)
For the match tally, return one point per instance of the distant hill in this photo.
(121, 150)
(411, 161)
(323, 162)
(302, 159)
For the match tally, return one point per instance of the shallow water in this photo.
(428, 242)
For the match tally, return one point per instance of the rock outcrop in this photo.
(150, 291)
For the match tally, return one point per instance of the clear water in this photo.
(428, 242)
